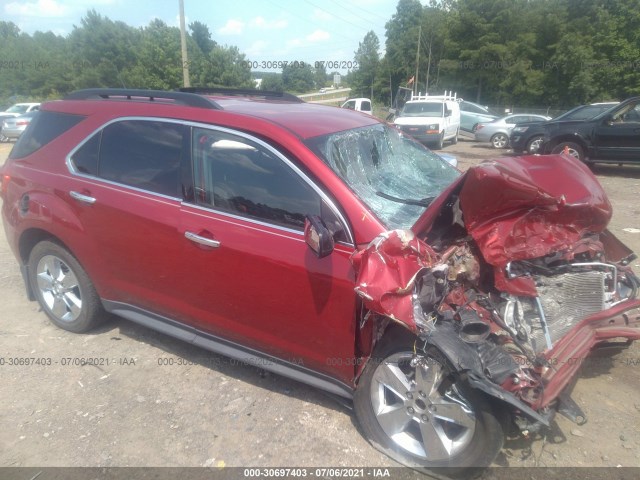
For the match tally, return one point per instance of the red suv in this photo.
(330, 248)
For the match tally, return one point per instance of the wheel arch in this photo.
(27, 241)
(31, 237)
(569, 137)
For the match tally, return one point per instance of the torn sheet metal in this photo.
(387, 271)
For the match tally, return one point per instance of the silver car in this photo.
(13, 127)
(498, 131)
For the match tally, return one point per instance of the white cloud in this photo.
(39, 8)
(296, 42)
(232, 27)
(256, 48)
(318, 36)
(321, 15)
(260, 22)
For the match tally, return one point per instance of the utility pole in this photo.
(183, 44)
(415, 85)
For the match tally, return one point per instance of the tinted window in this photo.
(366, 105)
(469, 107)
(44, 127)
(143, 154)
(85, 160)
(238, 176)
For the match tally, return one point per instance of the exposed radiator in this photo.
(566, 299)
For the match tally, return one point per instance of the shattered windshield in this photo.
(393, 175)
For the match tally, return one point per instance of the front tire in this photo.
(63, 288)
(440, 143)
(533, 145)
(419, 412)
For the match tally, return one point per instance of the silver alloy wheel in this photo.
(415, 414)
(573, 152)
(59, 288)
(499, 140)
(534, 146)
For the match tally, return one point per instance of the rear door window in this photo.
(144, 154)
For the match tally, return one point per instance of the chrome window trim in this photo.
(277, 153)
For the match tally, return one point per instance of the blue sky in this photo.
(265, 30)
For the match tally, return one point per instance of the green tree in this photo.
(298, 78)
(272, 82)
(368, 61)
(202, 36)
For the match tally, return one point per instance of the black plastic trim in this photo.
(156, 96)
(245, 92)
(228, 348)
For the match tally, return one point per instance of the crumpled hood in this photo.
(515, 208)
(526, 207)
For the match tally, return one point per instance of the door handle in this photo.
(82, 198)
(208, 242)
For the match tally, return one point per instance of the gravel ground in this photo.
(155, 401)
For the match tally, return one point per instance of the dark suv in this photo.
(324, 245)
(528, 136)
(613, 136)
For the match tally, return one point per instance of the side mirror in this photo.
(317, 236)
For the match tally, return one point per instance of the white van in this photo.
(432, 119)
(359, 105)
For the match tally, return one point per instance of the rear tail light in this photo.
(22, 122)
(478, 127)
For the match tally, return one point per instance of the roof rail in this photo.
(242, 92)
(139, 95)
(447, 96)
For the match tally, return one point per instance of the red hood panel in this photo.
(526, 207)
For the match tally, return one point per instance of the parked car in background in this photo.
(19, 109)
(613, 136)
(329, 247)
(497, 132)
(14, 111)
(471, 114)
(359, 105)
(527, 137)
(432, 119)
(13, 127)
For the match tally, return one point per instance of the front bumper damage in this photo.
(530, 283)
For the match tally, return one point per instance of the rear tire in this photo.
(63, 289)
(454, 140)
(500, 140)
(573, 149)
(424, 416)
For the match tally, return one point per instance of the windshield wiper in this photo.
(407, 201)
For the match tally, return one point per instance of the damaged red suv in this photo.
(328, 247)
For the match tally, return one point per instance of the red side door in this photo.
(252, 278)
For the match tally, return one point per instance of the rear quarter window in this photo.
(44, 127)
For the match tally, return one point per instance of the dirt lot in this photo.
(155, 401)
